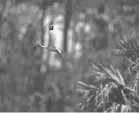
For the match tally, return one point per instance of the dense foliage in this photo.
(110, 92)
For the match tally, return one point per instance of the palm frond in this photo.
(127, 47)
(112, 74)
(113, 92)
(82, 91)
(86, 85)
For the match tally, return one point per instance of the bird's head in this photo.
(51, 27)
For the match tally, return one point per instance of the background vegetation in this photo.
(34, 79)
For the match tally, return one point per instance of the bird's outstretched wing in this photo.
(40, 45)
(54, 49)
(34, 46)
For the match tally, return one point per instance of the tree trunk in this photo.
(66, 23)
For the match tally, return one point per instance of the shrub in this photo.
(112, 90)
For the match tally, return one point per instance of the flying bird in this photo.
(51, 46)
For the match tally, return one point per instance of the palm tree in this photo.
(111, 92)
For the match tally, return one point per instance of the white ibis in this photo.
(51, 46)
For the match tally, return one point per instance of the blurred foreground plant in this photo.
(112, 92)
